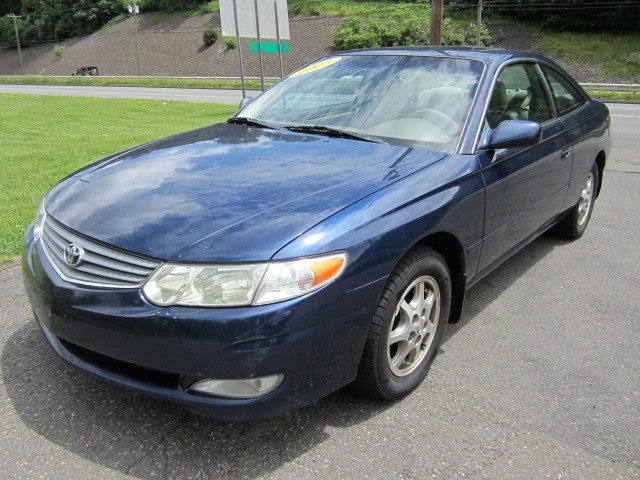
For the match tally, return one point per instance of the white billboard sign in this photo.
(247, 18)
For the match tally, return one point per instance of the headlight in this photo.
(285, 280)
(38, 222)
(241, 285)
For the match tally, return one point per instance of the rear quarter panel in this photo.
(589, 132)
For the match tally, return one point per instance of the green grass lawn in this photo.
(338, 8)
(133, 81)
(45, 138)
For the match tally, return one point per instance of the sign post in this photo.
(235, 18)
(259, 45)
(15, 25)
(275, 11)
(255, 19)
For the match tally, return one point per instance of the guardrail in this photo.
(612, 87)
(604, 87)
(144, 77)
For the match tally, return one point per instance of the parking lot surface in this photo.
(540, 379)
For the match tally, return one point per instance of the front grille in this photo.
(101, 265)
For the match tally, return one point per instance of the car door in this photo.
(572, 109)
(525, 187)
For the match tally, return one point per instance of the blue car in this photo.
(323, 236)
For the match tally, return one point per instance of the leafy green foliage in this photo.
(209, 7)
(58, 50)
(408, 30)
(230, 43)
(7, 35)
(171, 5)
(209, 36)
(374, 32)
(9, 6)
(51, 20)
(456, 33)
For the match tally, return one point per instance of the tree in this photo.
(579, 15)
(9, 6)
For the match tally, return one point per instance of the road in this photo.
(214, 95)
(625, 120)
(626, 137)
(540, 379)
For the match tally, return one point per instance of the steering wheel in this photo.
(448, 124)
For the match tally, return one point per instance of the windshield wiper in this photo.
(252, 122)
(333, 132)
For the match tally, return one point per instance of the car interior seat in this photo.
(497, 105)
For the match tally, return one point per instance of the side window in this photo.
(565, 95)
(519, 94)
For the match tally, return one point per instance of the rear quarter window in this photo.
(565, 96)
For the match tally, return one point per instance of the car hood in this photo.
(225, 192)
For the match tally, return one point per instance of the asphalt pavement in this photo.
(213, 95)
(540, 379)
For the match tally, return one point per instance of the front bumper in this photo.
(315, 341)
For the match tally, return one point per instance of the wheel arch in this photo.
(448, 245)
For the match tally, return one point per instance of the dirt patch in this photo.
(171, 48)
(174, 47)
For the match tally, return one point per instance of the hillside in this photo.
(171, 45)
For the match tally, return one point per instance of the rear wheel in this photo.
(407, 326)
(575, 223)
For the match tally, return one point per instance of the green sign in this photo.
(269, 47)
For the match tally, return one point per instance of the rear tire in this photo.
(575, 223)
(407, 326)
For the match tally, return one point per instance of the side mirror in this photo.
(245, 101)
(514, 133)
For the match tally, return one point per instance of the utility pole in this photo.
(135, 10)
(15, 26)
(478, 42)
(435, 37)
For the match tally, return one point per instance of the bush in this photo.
(464, 34)
(209, 7)
(392, 32)
(209, 36)
(230, 43)
(57, 50)
(396, 31)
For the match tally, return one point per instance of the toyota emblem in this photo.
(73, 255)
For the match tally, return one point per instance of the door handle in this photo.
(564, 154)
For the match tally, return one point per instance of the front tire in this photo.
(575, 223)
(407, 326)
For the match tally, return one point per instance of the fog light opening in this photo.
(238, 388)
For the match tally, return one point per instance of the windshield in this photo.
(405, 100)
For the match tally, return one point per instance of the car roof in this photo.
(488, 55)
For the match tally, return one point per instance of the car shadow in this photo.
(489, 288)
(148, 438)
